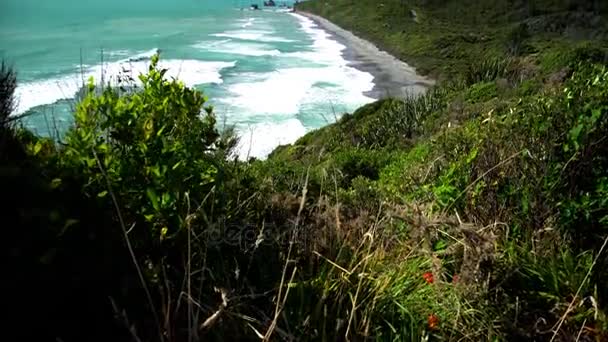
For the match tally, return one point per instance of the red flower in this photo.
(433, 321)
(428, 276)
(455, 278)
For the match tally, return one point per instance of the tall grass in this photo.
(488, 69)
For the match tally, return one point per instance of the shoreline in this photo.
(392, 76)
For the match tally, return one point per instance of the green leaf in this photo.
(160, 131)
(440, 245)
(69, 223)
(165, 199)
(153, 198)
(155, 170)
(177, 165)
(472, 156)
(37, 147)
(103, 147)
(575, 134)
(55, 183)
(102, 194)
(595, 115)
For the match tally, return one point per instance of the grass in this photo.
(448, 37)
(468, 174)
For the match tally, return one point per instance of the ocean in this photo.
(272, 74)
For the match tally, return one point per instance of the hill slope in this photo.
(444, 37)
(494, 178)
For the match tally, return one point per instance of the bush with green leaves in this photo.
(152, 158)
(152, 149)
(579, 176)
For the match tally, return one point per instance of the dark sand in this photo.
(392, 77)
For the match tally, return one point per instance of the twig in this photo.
(333, 263)
(189, 272)
(482, 176)
(125, 321)
(430, 168)
(580, 332)
(213, 318)
(369, 234)
(273, 325)
(280, 300)
(563, 318)
(250, 143)
(129, 247)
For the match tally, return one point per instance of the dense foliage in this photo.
(475, 212)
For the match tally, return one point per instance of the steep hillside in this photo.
(444, 37)
(494, 180)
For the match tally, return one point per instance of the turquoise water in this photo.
(273, 74)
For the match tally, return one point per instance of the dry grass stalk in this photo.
(129, 247)
(210, 321)
(281, 300)
(578, 291)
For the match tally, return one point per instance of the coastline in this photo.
(392, 77)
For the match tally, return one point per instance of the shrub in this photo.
(352, 163)
(481, 92)
(407, 174)
(155, 164)
(153, 148)
(580, 175)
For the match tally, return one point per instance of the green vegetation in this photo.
(444, 38)
(476, 212)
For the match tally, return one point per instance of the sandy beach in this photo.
(392, 77)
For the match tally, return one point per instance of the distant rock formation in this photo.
(270, 3)
(144, 57)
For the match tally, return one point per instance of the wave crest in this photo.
(49, 91)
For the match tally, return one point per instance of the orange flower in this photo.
(428, 276)
(433, 321)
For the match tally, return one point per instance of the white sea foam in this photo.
(231, 47)
(254, 35)
(258, 140)
(325, 49)
(246, 22)
(119, 53)
(327, 88)
(284, 91)
(43, 92)
(283, 10)
(269, 101)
